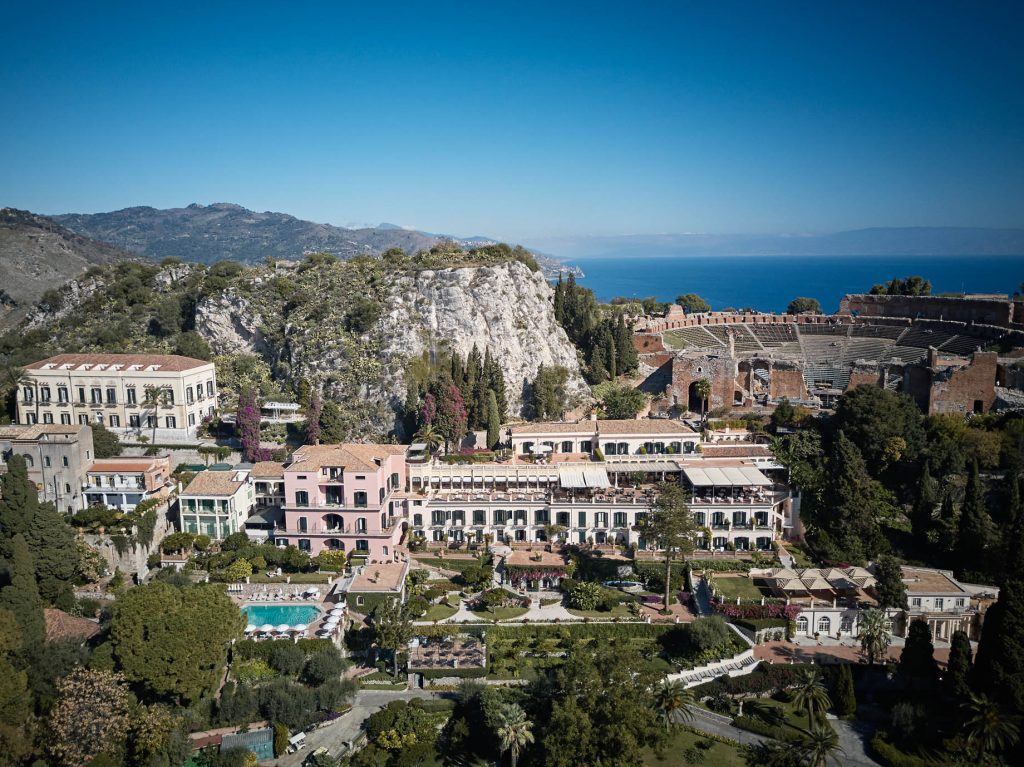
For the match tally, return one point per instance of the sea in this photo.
(769, 283)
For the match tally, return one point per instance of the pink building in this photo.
(344, 498)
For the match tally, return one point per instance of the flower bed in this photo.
(756, 611)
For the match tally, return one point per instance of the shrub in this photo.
(457, 673)
(324, 665)
(584, 595)
(252, 671)
(286, 658)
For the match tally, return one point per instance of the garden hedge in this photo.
(456, 673)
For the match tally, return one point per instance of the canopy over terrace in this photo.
(583, 476)
(726, 476)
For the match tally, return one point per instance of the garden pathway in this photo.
(702, 597)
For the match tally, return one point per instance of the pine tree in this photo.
(332, 423)
(21, 596)
(854, 504)
(844, 698)
(493, 422)
(19, 498)
(958, 670)
(891, 590)
(598, 366)
(55, 556)
(924, 507)
(609, 354)
(974, 528)
(559, 300)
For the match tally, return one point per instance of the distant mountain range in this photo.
(209, 233)
(37, 254)
(885, 241)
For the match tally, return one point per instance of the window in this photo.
(846, 625)
(46, 461)
(915, 602)
(437, 517)
(362, 545)
(501, 516)
(301, 498)
(601, 519)
(150, 421)
(191, 419)
(304, 544)
(64, 461)
(209, 388)
(44, 394)
(394, 479)
(940, 603)
(47, 417)
(172, 422)
(824, 624)
(359, 601)
(385, 551)
(26, 393)
(959, 602)
(65, 418)
(188, 396)
(540, 517)
(361, 525)
(132, 396)
(62, 394)
(303, 525)
(31, 418)
(115, 421)
(111, 396)
(96, 396)
(620, 519)
(199, 391)
(380, 498)
(359, 497)
(134, 421)
(581, 519)
(801, 623)
(83, 419)
(479, 517)
(417, 520)
(169, 393)
(81, 394)
(67, 487)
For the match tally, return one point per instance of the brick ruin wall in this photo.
(976, 311)
(964, 388)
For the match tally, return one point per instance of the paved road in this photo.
(337, 734)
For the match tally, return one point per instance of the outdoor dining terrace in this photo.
(449, 652)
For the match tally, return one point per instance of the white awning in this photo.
(582, 476)
(729, 476)
(418, 446)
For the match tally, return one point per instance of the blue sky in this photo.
(523, 120)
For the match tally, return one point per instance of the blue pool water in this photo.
(275, 615)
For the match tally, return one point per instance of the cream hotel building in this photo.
(160, 396)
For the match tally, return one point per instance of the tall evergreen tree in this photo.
(493, 422)
(496, 383)
(609, 354)
(559, 300)
(21, 595)
(917, 663)
(19, 498)
(628, 360)
(958, 669)
(974, 527)
(924, 506)
(52, 543)
(891, 590)
(845, 698)
(598, 366)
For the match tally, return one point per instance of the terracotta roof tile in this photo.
(62, 625)
(210, 482)
(167, 362)
(268, 469)
(352, 456)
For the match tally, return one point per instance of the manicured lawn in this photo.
(439, 612)
(447, 563)
(501, 613)
(718, 755)
(800, 558)
(733, 586)
(294, 578)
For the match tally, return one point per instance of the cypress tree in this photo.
(958, 670)
(598, 366)
(974, 528)
(844, 698)
(854, 503)
(924, 507)
(55, 556)
(560, 301)
(627, 356)
(493, 422)
(609, 354)
(20, 499)
(891, 590)
(917, 663)
(21, 596)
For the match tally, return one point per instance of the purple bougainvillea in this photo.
(755, 611)
(247, 422)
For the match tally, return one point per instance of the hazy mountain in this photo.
(887, 241)
(37, 254)
(209, 233)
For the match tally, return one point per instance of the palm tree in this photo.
(16, 377)
(153, 397)
(703, 390)
(875, 635)
(672, 701)
(821, 744)
(515, 731)
(811, 694)
(989, 729)
(429, 436)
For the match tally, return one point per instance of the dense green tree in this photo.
(174, 641)
(672, 701)
(15, 708)
(669, 526)
(284, 700)
(848, 524)
(105, 443)
(908, 286)
(332, 424)
(885, 426)
(56, 557)
(92, 716)
(692, 303)
(493, 420)
(889, 588)
(809, 693)
(324, 666)
(921, 517)
(515, 731)
(804, 306)
(917, 662)
(549, 398)
(19, 499)
(974, 527)
(21, 594)
(820, 745)
(958, 669)
(627, 359)
(452, 418)
(844, 697)
(286, 658)
(772, 753)
(623, 402)
(191, 344)
(783, 414)
(392, 628)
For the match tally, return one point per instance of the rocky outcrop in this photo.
(504, 308)
(231, 325)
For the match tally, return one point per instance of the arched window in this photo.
(824, 624)
(28, 461)
(334, 522)
(801, 623)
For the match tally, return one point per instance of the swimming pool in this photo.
(276, 615)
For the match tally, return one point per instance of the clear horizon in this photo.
(525, 122)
